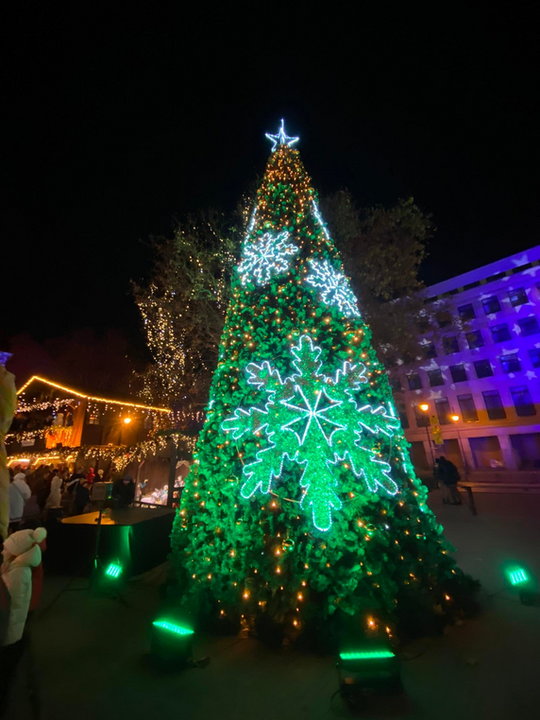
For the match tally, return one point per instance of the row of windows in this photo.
(490, 305)
(499, 333)
(484, 281)
(510, 363)
(521, 398)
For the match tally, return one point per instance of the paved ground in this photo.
(89, 652)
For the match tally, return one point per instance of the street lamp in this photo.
(424, 407)
(455, 419)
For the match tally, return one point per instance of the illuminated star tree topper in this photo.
(281, 138)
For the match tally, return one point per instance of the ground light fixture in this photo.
(519, 578)
(365, 671)
(113, 571)
(171, 645)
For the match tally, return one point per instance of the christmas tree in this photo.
(302, 505)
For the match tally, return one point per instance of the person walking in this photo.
(449, 476)
(19, 494)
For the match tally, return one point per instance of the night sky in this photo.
(119, 122)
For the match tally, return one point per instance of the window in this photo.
(500, 333)
(450, 344)
(458, 372)
(435, 378)
(518, 297)
(414, 381)
(534, 355)
(483, 368)
(468, 408)
(429, 350)
(444, 319)
(510, 363)
(422, 419)
(395, 384)
(404, 420)
(474, 339)
(494, 406)
(522, 401)
(466, 312)
(529, 326)
(443, 410)
(491, 305)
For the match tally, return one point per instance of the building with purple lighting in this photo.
(475, 397)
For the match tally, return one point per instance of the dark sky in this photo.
(120, 120)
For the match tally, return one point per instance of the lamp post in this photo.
(456, 419)
(424, 407)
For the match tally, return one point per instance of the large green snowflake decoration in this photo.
(265, 257)
(333, 286)
(315, 421)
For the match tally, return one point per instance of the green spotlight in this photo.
(366, 655)
(113, 570)
(171, 644)
(172, 627)
(517, 576)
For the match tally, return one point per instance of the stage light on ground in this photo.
(113, 570)
(517, 576)
(171, 645)
(366, 655)
(362, 672)
(172, 627)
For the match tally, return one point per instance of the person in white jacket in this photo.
(19, 493)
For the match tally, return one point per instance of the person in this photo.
(124, 492)
(70, 488)
(19, 494)
(449, 476)
(82, 496)
(53, 504)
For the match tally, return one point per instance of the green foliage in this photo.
(383, 249)
(182, 309)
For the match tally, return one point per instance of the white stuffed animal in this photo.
(22, 554)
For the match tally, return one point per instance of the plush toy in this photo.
(22, 575)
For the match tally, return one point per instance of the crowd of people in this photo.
(49, 493)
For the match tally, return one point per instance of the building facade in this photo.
(475, 397)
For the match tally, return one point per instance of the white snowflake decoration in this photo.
(334, 288)
(265, 257)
